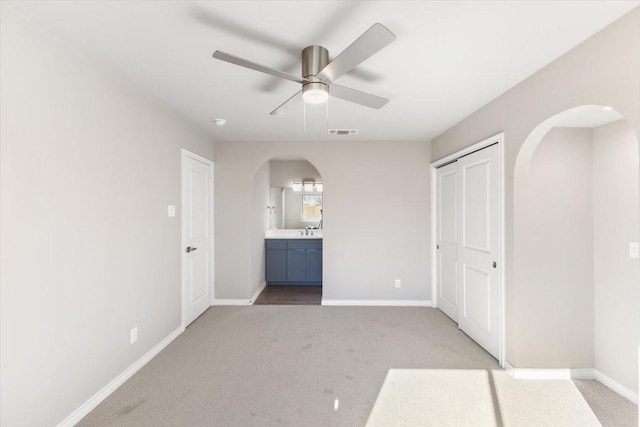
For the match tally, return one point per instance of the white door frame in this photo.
(499, 139)
(184, 154)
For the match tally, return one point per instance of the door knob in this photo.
(190, 249)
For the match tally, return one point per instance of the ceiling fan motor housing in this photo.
(314, 59)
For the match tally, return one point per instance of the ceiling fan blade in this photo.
(370, 42)
(288, 104)
(356, 96)
(257, 67)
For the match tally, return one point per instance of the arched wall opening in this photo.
(279, 211)
(576, 211)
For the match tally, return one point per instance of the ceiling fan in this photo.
(318, 73)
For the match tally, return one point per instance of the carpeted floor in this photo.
(287, 366)
(611, 409)
(477, 398)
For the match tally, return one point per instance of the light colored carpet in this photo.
(286, 366)
(477, 398)
(427, 397)
(541, 403)
(611, 409)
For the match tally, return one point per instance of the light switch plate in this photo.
(634, 250)
(171, 211)
(133, 335)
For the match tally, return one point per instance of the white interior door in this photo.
(447, 239)
(478, 222)
(197, 229)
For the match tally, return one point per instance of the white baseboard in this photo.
(250, 301)
(95, 400)
(572, 374)
(378, 302)
(616, 386)
(583, 374)
(218, 301)
(258, 292)
(540, 374)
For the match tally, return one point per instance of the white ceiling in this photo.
(449, 58)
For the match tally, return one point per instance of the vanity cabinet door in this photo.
(314, 265)
(276, 265)
(296, 265)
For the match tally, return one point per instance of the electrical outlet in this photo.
(171, 211)
(634, 250)
(133, 335)
(398, 283)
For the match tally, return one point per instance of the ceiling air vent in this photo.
(343, 131)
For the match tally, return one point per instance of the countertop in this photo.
(292, 234)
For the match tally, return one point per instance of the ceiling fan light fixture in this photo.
(315, 93)
(318, 72)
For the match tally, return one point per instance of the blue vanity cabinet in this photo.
(296, 265)
(293, 261)
(314, 265)
(276, 261)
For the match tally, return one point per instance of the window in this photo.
(311, 207)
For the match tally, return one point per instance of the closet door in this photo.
(478, 216)
(447, 239)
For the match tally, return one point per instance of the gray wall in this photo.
(617, 277)
(554, 203)
(261, 198)
(578, 207)
(572, 80)
(363, 253)
(284, 172)
(87, 171)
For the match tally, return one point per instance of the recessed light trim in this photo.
(220, 122)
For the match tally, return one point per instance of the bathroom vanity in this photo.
(292, 258)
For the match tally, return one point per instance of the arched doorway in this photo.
(288, 209)
(576, 216)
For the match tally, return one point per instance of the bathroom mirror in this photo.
(295, 209)
(289, 209)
